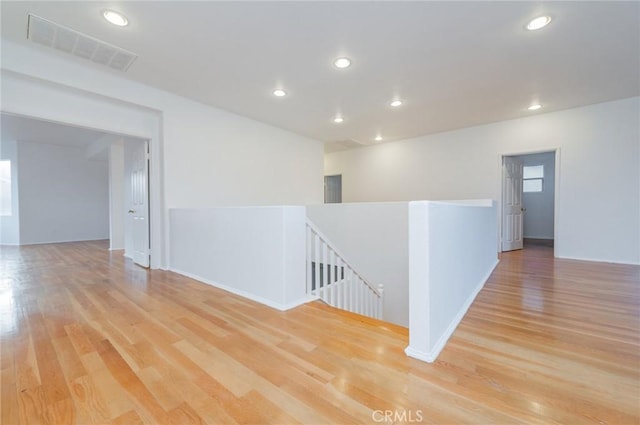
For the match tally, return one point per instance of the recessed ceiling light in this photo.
(396, 103)
(378, 138)
(539, 22)
(534, 107)
(342, 63)
(279, 92)
(115, 18)
(338, 119)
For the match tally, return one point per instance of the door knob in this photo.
(132, 211)
(523, 209)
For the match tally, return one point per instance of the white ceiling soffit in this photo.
(14, 127)
(67, 40)
(455, 64)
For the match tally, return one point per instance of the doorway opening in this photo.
(76, 184)
(529, 200)
(333, 189)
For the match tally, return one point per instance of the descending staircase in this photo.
(333, 280)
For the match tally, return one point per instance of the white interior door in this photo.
(512, 209)
(139, 203)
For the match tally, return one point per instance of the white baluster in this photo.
(325, 269)
(352, 291)
(332, 294)
(343, 279)
(316, 259)
(369, 299)
(381, 301)
(339, 284)
(365, 299)
(360, 299)
(375, 308)
(309, 260)
(332, 278)
(350, 295)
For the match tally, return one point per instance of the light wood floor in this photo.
(87, 337)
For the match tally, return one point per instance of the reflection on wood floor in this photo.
(88, 337)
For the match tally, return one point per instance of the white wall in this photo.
(10, 225)
(116, 195)
(373, 238)
(63, 196)
(538, 217)
(200, 155)
(452, 252)
(258, 253)
(598, 202)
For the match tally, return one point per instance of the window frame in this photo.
(534, 177)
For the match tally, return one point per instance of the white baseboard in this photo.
(245, 294)
(420, 355)
(598, 260)
(62, 241)
(432, 355)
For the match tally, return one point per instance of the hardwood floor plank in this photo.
(89, 338)
(128, 418)
(32, 406)
(184, 414)
(89, 404)
(131, 382)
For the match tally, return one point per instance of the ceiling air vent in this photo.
(67, 40)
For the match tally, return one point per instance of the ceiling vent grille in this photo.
(59, 37)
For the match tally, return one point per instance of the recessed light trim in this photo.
(538, 23)
(342, 63)
(396, 103)
(338, 119)
(115, 18)
(279, 93)
(534, 107)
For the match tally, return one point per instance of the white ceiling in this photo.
(455, 64)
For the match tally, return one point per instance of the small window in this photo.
(5, 187)
(532, 178)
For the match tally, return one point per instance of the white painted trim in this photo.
(62, 241)
(598, 260)
(556, 205)
(556, 194)
(244, 294)
(159, 232)
(420, 355)
(432, 355)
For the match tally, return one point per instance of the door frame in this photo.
(557, 241)
(86, 109)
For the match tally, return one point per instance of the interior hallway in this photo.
(88, 337)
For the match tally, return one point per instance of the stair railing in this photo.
(332, 279)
